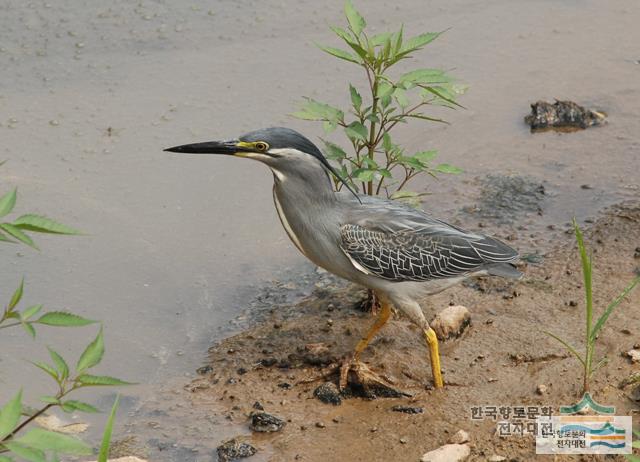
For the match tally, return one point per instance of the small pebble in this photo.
(541, 389)
(320, 425)
(460, 437)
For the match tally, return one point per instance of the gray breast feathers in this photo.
(422, 253)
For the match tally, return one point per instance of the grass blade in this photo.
(566, 345)
(108, 429)
(612, 306)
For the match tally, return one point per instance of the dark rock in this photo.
(284, 385)
(258, 406)
(204, 370)
(562, 114)
(328, 393)
(235, 449)
(268, 362)
(408, 409)
(242, 371)
(266, 423)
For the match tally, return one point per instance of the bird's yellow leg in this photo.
(434, 353)
(364, 375)
(383, 317)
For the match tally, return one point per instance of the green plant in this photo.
(18, 437)
(103, 455)
(591, 330)
(389, 101)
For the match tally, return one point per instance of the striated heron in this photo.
(403, 254)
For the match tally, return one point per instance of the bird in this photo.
(400, 252)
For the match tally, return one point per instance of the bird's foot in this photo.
(357, 377)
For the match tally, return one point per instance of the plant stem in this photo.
(372, 128)
(27, 422)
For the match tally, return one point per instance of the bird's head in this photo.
(284, 150)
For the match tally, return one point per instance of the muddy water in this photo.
(176, 246)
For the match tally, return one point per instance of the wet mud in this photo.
(502, 359)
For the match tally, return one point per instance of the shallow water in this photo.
(176, 246)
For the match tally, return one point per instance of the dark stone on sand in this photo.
(204, 370)
(268, 362)
(265, 423)
(235, 449)
(328, 393)
(562, 114)
(408, 409)
(258, 406)
(284, 385)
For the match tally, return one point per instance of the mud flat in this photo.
(502, 359)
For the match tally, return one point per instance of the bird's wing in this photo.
(399, 244)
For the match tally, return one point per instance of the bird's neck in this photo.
(304, 188)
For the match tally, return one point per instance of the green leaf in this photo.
(17, 295)
(338, 53)
(398, 40)
(401, 97)
(73, 405)
(356, 99)
(315, 110)
(8, 202)
(329, 126)
(26, 452)
(356, 131)
(334, 152)
(412, 162)
(103, 456)
(446, 168)
(567, 346)
(369, 163)
(48, 369)
(29, 312)
(42, 224)
(10, 415)
(4, 238)
(423, 77)
(380, 39)
(92, 355)
(5, 459)
(63, 319)
(385, 89)
(91, 380)
(18, 234)
(356, 21)
(49, 399)
(419, 41)
(61, 364)
(426, 156)
(444, 94)
(612, 306)
(29, 329)
(424, 117)
(386, 142)
(50, 441)
(364, 174)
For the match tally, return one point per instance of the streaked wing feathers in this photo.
(429, 252)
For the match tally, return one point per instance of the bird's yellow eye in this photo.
(261, 146)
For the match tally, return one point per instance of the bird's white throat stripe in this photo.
(286, 225)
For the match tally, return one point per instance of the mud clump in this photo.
(263, 422)
(562, 115)
(234, 449)
(408, 409)
(328, 393)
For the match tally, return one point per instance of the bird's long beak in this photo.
(210, 147)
